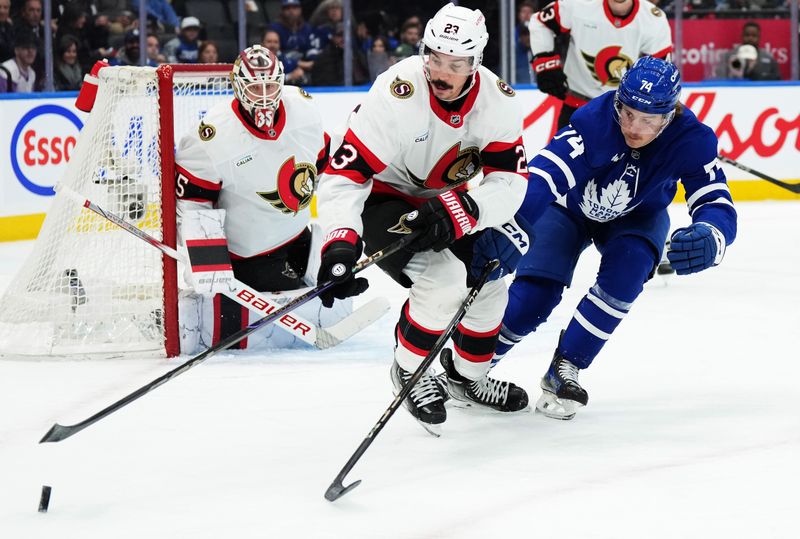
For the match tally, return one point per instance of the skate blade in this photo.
(551, 406)
(482, 409)
(430, 428)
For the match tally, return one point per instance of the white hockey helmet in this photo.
(257, 80)
(457, 31)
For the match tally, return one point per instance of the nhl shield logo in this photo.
(296, 183)
(455, 119)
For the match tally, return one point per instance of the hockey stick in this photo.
(337, 489)
(793, 187)
(59, 432)
(322, 338)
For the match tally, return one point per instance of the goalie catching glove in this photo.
(443, 220)
(340, 253)
(507, 243)
(695, 248)
(550, 77)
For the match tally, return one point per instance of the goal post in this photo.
(89, 288)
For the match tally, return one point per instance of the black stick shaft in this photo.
(60, 432)
(793, 187)
(337, 488)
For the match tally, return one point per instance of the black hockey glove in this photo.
(340, 252)
(549, 72)
(443, 220)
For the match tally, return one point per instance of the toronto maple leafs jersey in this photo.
(265, 180)
(589, 169)
(602, 46)
(402, 141)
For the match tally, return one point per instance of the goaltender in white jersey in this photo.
(428, 126)
(605, 38)
(253, 161)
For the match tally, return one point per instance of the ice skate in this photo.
(426, 400)
(664, 267)
(562, 394)
(486, 392)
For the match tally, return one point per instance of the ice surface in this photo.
(692, 429)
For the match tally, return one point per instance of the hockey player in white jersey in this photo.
(429, 125)
(605, 38)
(256, 158)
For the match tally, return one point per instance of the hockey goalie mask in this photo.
(257, 79)
(453, 43)
(647, 96)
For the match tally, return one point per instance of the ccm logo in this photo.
(265, 307)
(552, 63)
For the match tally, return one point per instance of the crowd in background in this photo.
(307, 36)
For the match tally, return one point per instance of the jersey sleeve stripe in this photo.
(205, 184)
(694, 197)
(350, 174)
(372, 161)
(547, 178)
(488, 170)
(496, 147)
(556, 160)
(720, 200)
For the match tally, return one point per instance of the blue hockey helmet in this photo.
(651, 85)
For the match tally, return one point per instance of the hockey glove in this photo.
(507, 243)
(443, 220)
(340, 252)
(695, 248)
(550, 77)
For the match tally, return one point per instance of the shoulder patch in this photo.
(206, 131)
(505, 88)
(401, 89)
(657, 12)
(304, 93)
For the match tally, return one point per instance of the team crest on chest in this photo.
(401, 89)
(296, 183)
(206, 131)
(505, 88)
(608, 66)
(455, 167)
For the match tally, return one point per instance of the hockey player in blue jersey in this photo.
(607, 178)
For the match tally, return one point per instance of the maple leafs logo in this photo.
(612, 202)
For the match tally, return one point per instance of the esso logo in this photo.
(42, 144)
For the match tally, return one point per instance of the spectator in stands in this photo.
(522, 43)
(378, 58)
(121, 23)
(184, 48)
(67, 72)
(6, 31)
(329, 66)
(208, 54)
(295, 34)
(161, 11)
(30, 22)
(294, 74)
(409, 40)
(748, 60)
(128, 55)
(154, 54)
(23, 77)
(323, 20)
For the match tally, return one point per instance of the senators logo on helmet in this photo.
(455, 167)
(296, 184)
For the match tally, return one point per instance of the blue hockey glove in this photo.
(695, 248)
(506, 243)
(339, 254)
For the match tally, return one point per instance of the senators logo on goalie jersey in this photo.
(296, 183)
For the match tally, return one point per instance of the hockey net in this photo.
(90, 288)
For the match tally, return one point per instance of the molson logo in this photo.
(41, 146)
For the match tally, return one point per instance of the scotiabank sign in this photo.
(41, 145)
(706, 43)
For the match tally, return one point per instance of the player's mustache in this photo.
(441, 85)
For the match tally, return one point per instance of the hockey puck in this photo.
(44, 501)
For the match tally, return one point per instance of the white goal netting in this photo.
(90, 287)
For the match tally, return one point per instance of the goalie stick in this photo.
(337, 489)
(60, 432)
(793, 187)
(321, 338)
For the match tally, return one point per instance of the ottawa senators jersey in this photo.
(265, 181)
(602, 46)
(402, 141)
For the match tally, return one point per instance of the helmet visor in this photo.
(439, 62)
(635, 121)
(262, 94)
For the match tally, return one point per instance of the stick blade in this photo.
(57, 433)
(337, 489)
(350, 325)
